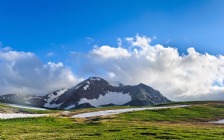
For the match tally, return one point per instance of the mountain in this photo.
(93, 92)
(30, 100)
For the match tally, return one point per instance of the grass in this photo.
(196, 113)
(180, 123)
(7, 109)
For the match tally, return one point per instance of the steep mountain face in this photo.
(96, 92)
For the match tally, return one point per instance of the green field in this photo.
(180, 123)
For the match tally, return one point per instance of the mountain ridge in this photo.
(93, 92)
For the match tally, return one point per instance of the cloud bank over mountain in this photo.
(23, 72)
(191, 76)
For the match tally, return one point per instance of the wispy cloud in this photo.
(119, 42)
(89, 40)
(50, 54)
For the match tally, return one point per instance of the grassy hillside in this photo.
(180, 123)
(4, 108)
(7, 109)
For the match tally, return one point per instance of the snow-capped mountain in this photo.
(96, 92)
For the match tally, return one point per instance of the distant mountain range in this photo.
(92, 92)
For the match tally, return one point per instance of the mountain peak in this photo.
(95, 78)
(109, 82)
(141, 84)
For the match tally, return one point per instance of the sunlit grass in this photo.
(180, 123)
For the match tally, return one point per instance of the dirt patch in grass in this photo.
(114, 130)
(148, 134)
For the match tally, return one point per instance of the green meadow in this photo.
(179, 123)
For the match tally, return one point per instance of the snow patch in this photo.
(217, 122)
(62, 91)
(118, 111)
(28, 107)
(86, 87)
(95, 78)
(98, 79)
(48, 105)
(76, 87)
(117, 98)
(70, 107)
(52, 96)
(15, 115)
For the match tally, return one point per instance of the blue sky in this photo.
(63, 35)
(43, 26)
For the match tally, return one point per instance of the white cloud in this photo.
(4, 48)
(24, 73)
(179, 77)
(110, 52)
(139, 41)
(192, 76)
(111, 75)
